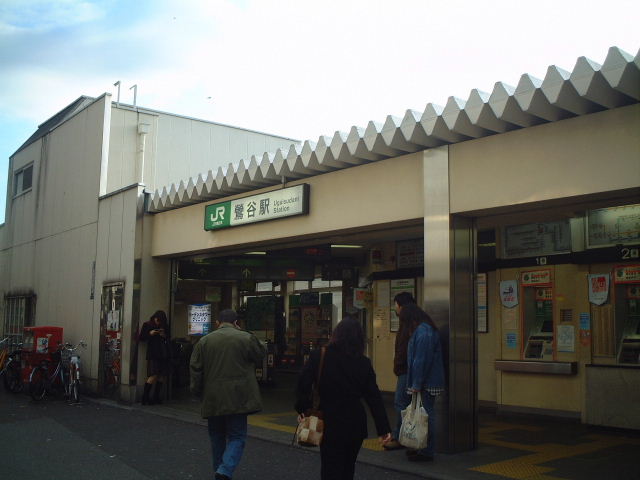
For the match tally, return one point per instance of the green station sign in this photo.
(286, 202)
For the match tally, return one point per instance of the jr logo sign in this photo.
(217, 216)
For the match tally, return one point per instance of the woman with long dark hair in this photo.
(347, 377)
(425, 370)
(155, 332)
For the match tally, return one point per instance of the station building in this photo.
(512, 216)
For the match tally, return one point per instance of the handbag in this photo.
(311, 428)
(415, 424)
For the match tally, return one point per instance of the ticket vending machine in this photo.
(627, 313)
(537, 314)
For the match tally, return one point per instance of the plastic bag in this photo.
(415, 424)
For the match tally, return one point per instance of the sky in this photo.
(297, 68)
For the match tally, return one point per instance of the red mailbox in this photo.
(39, 344)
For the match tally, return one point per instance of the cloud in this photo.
(44, 15)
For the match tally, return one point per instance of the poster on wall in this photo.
(359, 297)
(511, 340)
(509, 293)
(566, 338)
(481, 307)
(585, 329)
(598, 288)
(199, 315)
(398, 286)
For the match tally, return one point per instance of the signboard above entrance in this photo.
(285, 202)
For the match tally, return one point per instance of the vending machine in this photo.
(627, 312)
(537, 314)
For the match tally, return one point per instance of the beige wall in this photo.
(51, 231)
(583, 155)
(373, 194)
(115, 262)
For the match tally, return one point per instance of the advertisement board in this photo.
(199, 316)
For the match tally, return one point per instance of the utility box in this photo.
(39, 344)
(42, 339)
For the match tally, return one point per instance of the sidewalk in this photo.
(515, 447)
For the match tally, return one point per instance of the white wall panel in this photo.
(187, 147)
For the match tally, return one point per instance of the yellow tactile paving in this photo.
(270, 421)
(527, 467)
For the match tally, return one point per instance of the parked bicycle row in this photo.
(44, 370)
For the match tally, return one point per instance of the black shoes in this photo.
(220, 476)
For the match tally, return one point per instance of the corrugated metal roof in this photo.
(589, 88)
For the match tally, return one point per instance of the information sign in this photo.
(537, 239)
(285, 202)
(613, 226)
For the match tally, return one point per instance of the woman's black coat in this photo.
(344, 381)
(157, 345)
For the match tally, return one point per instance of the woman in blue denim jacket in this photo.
(425, 373)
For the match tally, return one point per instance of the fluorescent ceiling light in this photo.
(346, 246)
(255, 253)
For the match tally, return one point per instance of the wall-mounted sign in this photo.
(598, 288)
(410, 253)
(537, 239)
(613, 226)
(627, 274)
(199, 318)
(535, 277)
(398, 286)
(509, 293)
(285, 202)
(481, 299)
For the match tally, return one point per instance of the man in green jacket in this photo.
(223, 371)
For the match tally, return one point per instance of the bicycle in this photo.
(65, 376)
(74, 373)
(10, 367)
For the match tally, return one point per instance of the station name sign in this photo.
(282, 203)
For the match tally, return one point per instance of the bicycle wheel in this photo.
(74, 387)
(12, 379)
(38, 383)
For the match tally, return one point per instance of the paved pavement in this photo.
(100, 438)
(53, 440)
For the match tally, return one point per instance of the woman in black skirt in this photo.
(346, 379)
(155, 332)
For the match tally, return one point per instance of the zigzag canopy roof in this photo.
(589, 88)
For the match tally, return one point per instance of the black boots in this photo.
(147, 392)
(156, 393)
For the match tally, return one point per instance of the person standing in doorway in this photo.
(155, 332)
(347, 377)
(223, 372)
(425, 371)
(401, 399)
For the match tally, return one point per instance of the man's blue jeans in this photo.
(228, 434)
(400, 401)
